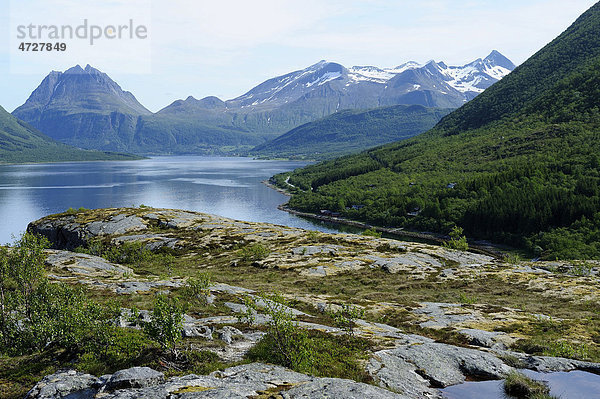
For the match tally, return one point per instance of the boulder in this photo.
(64, 384)
(134, 377)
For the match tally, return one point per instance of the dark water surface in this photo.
(571, 385)
(229, 187)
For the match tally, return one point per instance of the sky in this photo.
(226, 47)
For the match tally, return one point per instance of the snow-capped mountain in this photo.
(84, 107)
(286, 101)
(472, 78)
(431, 84)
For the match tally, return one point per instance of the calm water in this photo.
(228, 187)
(571, 385)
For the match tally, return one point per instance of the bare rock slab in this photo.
(63, 384)
(134, 377)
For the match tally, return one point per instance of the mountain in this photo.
(85, 108)
(351, 131)
(19, 143)
(518, 164)
(284, 102)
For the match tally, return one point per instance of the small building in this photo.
(415, 212)
(358, 207)
(451, 185)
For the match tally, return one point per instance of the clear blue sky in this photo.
(225, 47)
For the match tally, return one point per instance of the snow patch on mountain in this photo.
(474, 77)
(324, 79)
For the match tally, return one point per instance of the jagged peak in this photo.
(497, 58)
(75, 69)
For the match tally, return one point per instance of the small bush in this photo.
(345, 318)
(254, 252)
(248, 316)
(371, 233)
(466, 299)
(512, 259)
(286, 339)
(457, 240)
(582, 268)
(166, 322)
(197, 289)
(312, 235)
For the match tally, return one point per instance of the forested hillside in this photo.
(518, 164)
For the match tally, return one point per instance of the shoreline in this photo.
(488, 249)
(278, 189)
(439, 239)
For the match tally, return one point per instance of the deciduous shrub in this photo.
(197, 289)
(254, 252)
(457, 240)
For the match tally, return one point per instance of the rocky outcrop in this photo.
(135, 377)
(404, 365)
(84, 264)
(249, 380)
(66, 384)
(420, 365)
(69, 233)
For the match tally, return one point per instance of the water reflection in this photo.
(230, 187)
(565, 385)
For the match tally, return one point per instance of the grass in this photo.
(328, 356)
(19, 374)
(522, 387)
(486, 292)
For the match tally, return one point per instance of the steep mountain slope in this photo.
(517, 164)
(83, 107)
(20, 142)
(351, 131)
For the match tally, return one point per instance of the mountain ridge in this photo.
(86, 108)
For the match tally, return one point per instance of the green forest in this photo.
(517, 165)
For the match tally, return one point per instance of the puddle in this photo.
(565, 385)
